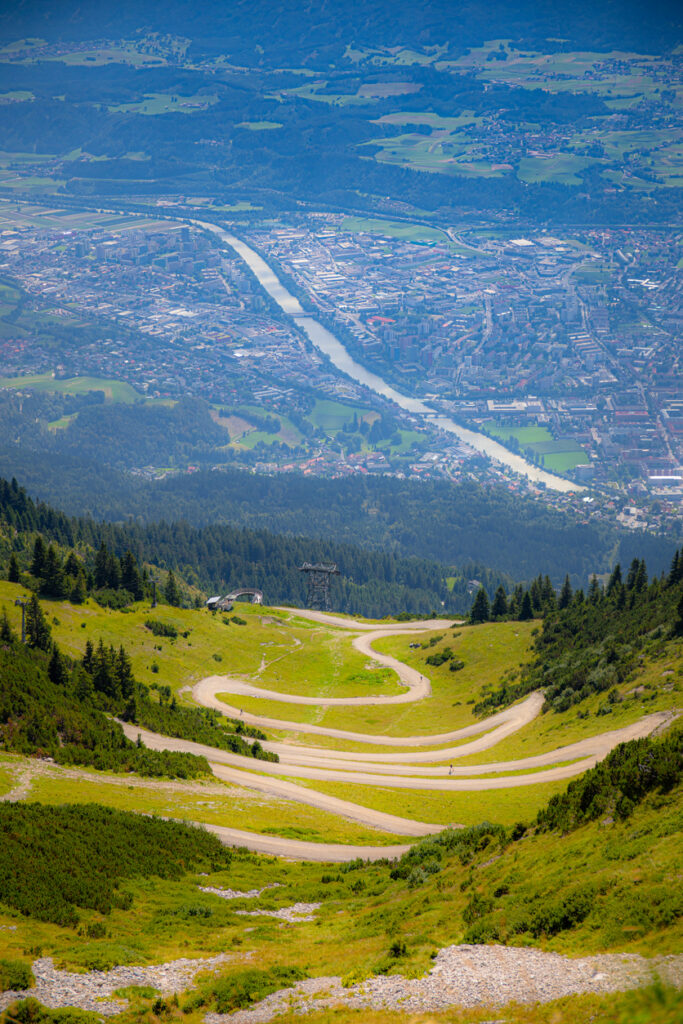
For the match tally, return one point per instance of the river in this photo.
(328, 343)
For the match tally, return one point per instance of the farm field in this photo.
(556, 455)
(114, 390)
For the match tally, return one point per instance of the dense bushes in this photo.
(237, 991)
(58, 714)
(591, 643)
(617, 784)
(54, 860)
(200, 725)
(15, 976)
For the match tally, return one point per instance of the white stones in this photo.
(294, 914)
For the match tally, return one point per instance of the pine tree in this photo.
(565, 594)
(480, 611)
(678, 625)
(130, 576)
(526, 612)
(37, 628)
(549, 599)
(594, 591)
(13, 571)
(88, 660)
(78, 591)
(38, 560)
(53, 576)
(641, 577)
(125, 682)
(614, 580)
(100, 575)
(56, 668)
(171, 591)
(499, 608)
(7, 634)
(632, 574)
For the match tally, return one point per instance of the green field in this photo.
(558, 456)
(209, 803)
(393, 229)
(114, 390)
(502, 806)
(167, 103)
(330, 415)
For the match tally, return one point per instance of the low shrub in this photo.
(15, 976)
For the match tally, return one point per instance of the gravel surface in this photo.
(92, 991)
(235, 894)
(469, 976)
(293, 914)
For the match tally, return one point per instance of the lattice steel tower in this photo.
(319, 583)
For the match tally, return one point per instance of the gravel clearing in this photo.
(469, 976)
(235, 894)
(92, 991)
(293, 914)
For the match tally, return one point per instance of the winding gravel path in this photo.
(416, 770)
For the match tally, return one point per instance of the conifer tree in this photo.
(13, 571)
(171, 591)
(614, 580)
(101, 577)
(38, 560)
(526, 612)
(78, 591)
(7, 634)
(565, 594)
(480, 611)
(499, 608)
(37, 628)
(56, 668)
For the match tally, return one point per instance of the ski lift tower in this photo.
(319, 583)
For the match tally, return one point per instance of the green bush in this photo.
(237, 991)
(15, 976)
(54, 860)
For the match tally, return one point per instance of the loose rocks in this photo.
(92, 991)
(470, 976)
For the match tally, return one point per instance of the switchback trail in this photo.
(418, 770)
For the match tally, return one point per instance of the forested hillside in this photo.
(218, 558)
(467, 523)
(593, 643)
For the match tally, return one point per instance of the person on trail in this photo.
(450, 769)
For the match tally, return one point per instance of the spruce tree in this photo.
(101, 579)
(13, 571)
(614, 580)
(38, 560)
(37, 628)
(499, 608)
(56, 668)
(565, 594)
(78, 591)
(480, 611)
(171, 591)
(526, 612)
(7, 634)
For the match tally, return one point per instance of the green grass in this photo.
(303, 658)
(393, 229)
(114, 390)
(502, 806)
(167, 103)
(486, 650)
(560, 168)
(330, 415)
(6, 780)
(560, 455)
(212, 804)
